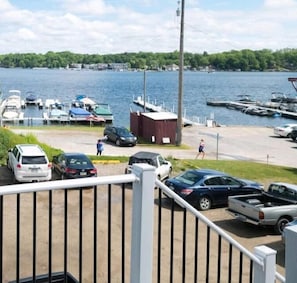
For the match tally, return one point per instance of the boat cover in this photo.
(79, 112)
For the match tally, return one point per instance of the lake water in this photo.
(118, 89)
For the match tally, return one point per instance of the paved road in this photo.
(224, 143)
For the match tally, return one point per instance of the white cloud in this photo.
(97, 26)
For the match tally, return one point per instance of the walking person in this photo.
(100, 147)
(201, 149)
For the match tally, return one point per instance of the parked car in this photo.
(29, 163)
(73, 165)
(163, 166)
(205, 188)
(284, 130)
(120, 136)
(293, 134)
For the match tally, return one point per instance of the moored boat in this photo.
(103, 110)
(31, 98)
(11, 106)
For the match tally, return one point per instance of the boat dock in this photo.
(158, 108)
(269, 109)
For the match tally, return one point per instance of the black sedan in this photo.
(73, 165)
(205, 188)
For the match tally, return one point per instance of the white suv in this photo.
(29, 163)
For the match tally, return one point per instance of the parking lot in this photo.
(229, 143)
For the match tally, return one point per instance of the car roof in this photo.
(69, 154)
(30, 149)
(206, 171)
(145, 154)
(116, 127)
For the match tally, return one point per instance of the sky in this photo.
(118, 26)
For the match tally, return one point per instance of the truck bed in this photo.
(263, 200)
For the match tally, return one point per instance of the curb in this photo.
(106, 161)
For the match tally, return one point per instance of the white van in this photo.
(29, 163)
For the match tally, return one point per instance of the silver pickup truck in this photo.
(275, 207)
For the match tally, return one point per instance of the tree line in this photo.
(243, 60)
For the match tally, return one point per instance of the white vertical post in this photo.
(291, 253)
(142, 224)
(266, 273)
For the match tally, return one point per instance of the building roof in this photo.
(160, 115)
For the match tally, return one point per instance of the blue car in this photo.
(205, 188)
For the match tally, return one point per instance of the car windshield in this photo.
(189, 178)
(123, 132)
(34, 160)
(77, 160)
(133, 160)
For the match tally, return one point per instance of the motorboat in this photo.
(58, 114)
(103, 110)
(11, 106)
(31, 98)
(83, 101)
(53, 104)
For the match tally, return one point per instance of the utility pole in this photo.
(180, 76)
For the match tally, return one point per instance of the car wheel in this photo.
(204, 203)
(14, 180)
(8, 165)
(118, 143)
(280, 225)
(293, 138)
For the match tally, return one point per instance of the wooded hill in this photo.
(243, 60)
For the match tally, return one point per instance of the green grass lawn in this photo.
(260, 172)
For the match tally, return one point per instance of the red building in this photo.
(155, 127)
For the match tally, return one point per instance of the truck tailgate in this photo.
(244, 209)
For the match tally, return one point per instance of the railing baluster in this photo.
(207, 254)
(18, 239)
(109, 236)
(95, 234)
(230, 263)
(240, 267)
(1, 238)
(65, 232)
(219, 258)
(34, 234)
(196, 266)
(159, 236)
(184, 245)
(123, 233)
(50, 231)
(80, 233)
(172, 240)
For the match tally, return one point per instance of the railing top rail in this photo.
(67, 184)
(204, 219)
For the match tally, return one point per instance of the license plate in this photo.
(83, 173)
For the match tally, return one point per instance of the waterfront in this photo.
(118, 89)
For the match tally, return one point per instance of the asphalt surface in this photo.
(258, 144)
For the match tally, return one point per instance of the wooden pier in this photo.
(255, 109)
(158, 108)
